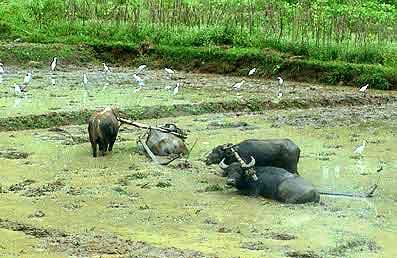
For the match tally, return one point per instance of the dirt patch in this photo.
(43, 190)
(354, 245)
(302, 254)
(21, 186)
(93, 244)
(257, 245)
(13, 154)
(279, 236)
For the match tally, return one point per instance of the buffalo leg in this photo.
(101, 146)
(111, 144)
(94, 149)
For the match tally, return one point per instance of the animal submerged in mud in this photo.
(272, 182)
(164, 143)
(103, 128)
(282, 153)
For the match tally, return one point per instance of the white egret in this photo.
(138, 89)
(169, 72)
(252, 72)
(106, 68)
(238, 85)
(279, 94)
(54, 63)
(140, 69)
(17, 89)
(176, 89)
(280, 81)
(364, 88)
(360, 149)
(85, 80)
(1, 68)
(138, 80)
(27, 78)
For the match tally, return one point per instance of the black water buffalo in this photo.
(103, 128)
(282, 153)
(272, 182)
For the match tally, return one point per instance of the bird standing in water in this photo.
(54, 63)
(280, 81)
(176, 89)
(360, 149)
(85, 80)
(27, 78)
(106, 69)
(169, 72)
(364, 88)
(238, 85)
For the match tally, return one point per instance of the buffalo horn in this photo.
(251, 164)
(222, 164)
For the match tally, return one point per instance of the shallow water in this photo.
(117, 89)
(111, 199)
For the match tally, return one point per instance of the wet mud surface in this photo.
(58, 201)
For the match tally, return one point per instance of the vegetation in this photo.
(359, 31)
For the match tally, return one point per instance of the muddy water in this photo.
(189, 208)
(117, 89)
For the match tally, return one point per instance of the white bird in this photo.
(280, 81)
(139, 80)
(138, 89)
(252, 72)
(169, 72)
(364, 88)
(140, 68)
(238, 85)
(85, 80)
(1, 68)
(54, 64)
(106, 68)
(176, 89)
(17, 89)
(359, 150)
(27, 78)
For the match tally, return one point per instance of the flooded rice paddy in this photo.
(57, 201)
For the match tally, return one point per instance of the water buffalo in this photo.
(163, 144)
(282, 153)
(272, 182)
(103, 128)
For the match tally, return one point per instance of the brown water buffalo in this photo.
(103, 128)
(158, 143)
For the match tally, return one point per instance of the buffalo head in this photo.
(218, 153)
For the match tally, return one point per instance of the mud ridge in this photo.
(94, 244)
(53, 119)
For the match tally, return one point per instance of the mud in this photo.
(60, 202)
(93, 244)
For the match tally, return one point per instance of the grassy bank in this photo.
(236, 61)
